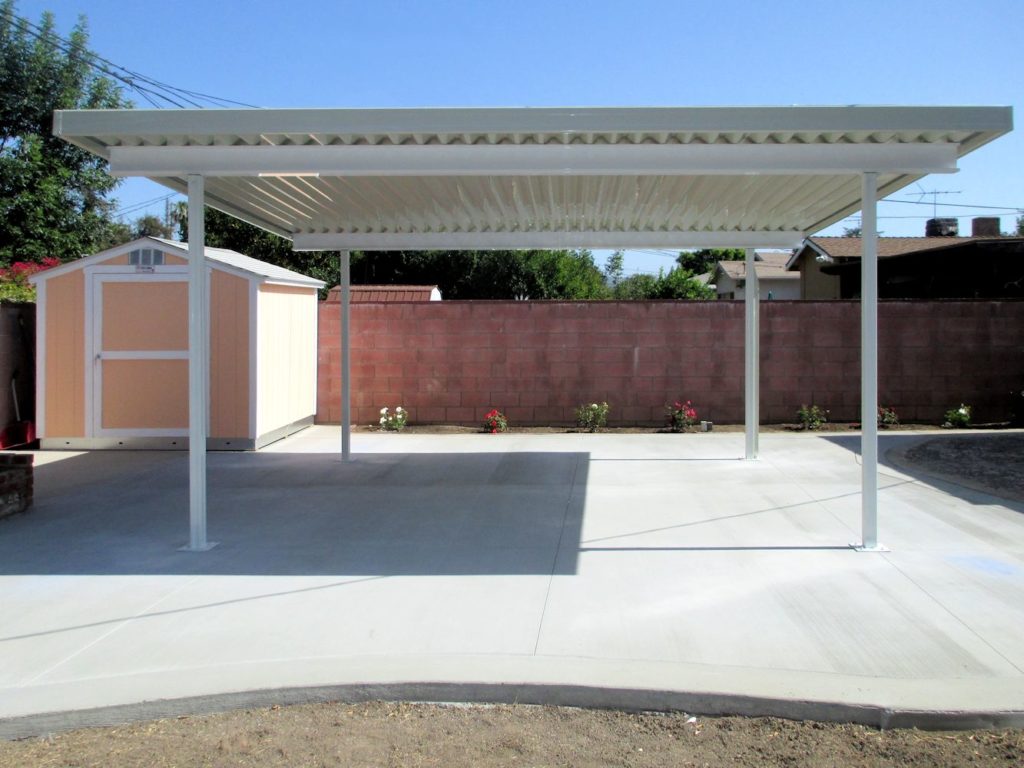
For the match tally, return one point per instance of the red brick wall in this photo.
(452, 361)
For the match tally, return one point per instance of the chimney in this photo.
(985, 226)
(941, 228)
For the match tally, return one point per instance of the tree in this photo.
(704, 260)
(1020, 226)
(150, 226)
(851, 231)
(53, 195)
(679, 283)
(613, 268)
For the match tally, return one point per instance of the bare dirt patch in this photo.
(382, 734)
(992, 463)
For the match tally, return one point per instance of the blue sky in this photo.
(596, 53)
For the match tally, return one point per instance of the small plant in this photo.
(957, 418)
(592, 416)
(681, 416)
(495, 421)
(887, 417)
(811, 417)
(393, 422)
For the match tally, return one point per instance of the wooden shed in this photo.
(112, 341)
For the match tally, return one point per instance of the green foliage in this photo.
(592, 416)
(679, 283)
(636, 288)
(704, 260)
(487, 274)
(53, 196)
(1020, 227)
(852, 231)
(613, 268)
(13, 292)
(811, 417)
(887, 417)
(149, 226)
(957, 418)
(393, 421)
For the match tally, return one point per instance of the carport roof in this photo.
(520, 177)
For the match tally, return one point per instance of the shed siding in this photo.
(229, 356)
(65, 355)
(286, 356)
(145, 316)
(145, 394)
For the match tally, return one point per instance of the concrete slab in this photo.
(631, 570)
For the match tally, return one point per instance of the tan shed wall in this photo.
(229, 356)
(286, 343)
(145, 316)
(65, 355)
(145, 394)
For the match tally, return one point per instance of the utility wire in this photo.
(148, 88)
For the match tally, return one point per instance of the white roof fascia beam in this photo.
(400, 241)
(534, 160)
(158, 124)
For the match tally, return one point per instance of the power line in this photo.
(135, 207)
(1007, 208)
(148, 88)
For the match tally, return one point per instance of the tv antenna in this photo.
(935, 197)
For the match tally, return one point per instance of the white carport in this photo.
(399, 179)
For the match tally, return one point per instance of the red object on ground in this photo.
(17, 433)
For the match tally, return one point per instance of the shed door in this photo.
(140, 355)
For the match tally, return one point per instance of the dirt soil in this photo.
(382, 734)
(994, 463)
(458, 429)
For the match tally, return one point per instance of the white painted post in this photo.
(346, 368)
(752, 349)
(869, 364)
(198, 365)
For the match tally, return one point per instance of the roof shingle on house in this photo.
(841, 248)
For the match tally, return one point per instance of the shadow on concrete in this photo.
(120, 513)
(973, 484)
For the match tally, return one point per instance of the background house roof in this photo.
(843, 248)
(561, 177)
(363, 294)
(771, 265)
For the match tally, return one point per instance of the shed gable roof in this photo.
(217, 257)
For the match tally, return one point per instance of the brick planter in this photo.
(15, 483)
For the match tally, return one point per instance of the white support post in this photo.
(752, 349)
(346, 368)
(869, 364)
(198, 366)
